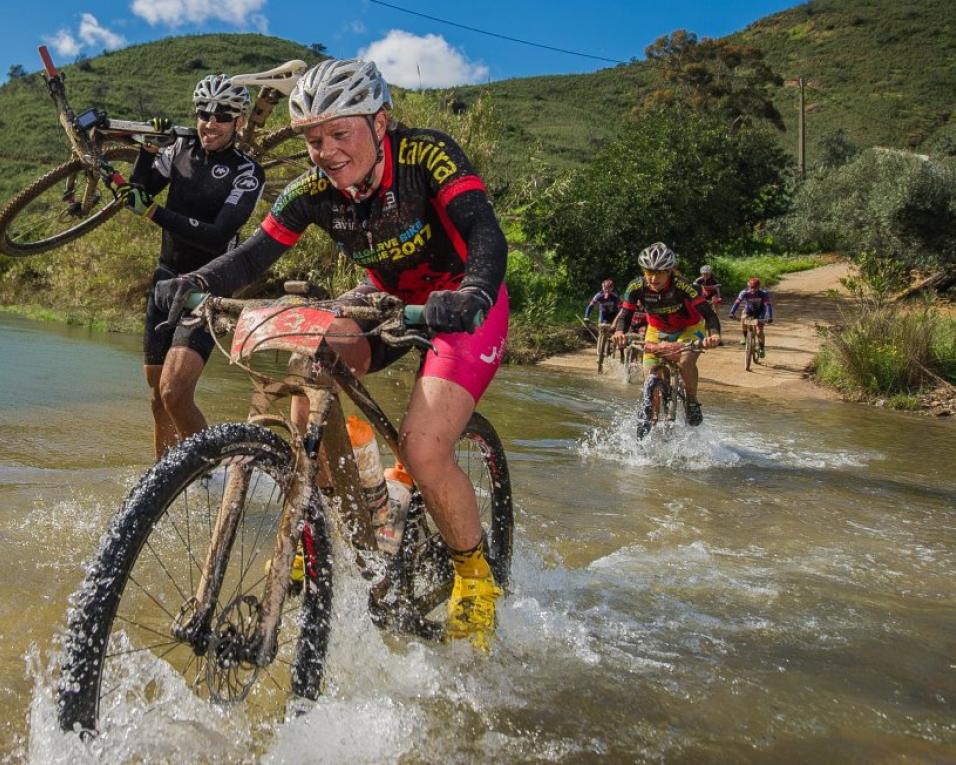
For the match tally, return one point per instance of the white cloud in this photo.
(90, 35)
(176, 13)
(64, 43)
(401, 56)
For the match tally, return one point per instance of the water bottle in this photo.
(365, 449)
(390, 524)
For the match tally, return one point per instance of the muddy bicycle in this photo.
(75, 197)
(605, 348)
(197, 571)
(664, 392)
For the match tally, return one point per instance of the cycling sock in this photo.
(471, 564)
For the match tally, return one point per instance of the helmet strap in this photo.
(361, 190)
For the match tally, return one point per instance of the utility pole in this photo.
(801, 132)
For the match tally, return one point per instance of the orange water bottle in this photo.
(389, 526)
(365, 449)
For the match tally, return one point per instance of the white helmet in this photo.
(338, 88)
(217, 92)
(706, 270)
(657, 257)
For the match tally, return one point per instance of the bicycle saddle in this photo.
(283, 78)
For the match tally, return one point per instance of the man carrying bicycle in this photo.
(406, 204)
(213, 189)
(606, 301)
(676, 312)
(756, 305)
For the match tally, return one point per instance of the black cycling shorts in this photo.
(157, 342)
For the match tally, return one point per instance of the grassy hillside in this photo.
(134, 83)
(885, 72)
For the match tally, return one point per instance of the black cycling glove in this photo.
(170, 292)
(461, 310)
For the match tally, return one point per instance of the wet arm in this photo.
(471, 213)
(243, 265)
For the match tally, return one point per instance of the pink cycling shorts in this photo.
(471, 360)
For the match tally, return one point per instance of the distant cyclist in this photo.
(756, 305)
(676, 312)
(709, 287)
(213, 189)
(606, 301)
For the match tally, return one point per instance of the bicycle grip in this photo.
(415, 317)
(195, 298)
(48, 64)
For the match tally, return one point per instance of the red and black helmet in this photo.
(753, 282)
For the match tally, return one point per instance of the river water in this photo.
(776, 588)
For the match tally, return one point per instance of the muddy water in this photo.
(776, 588)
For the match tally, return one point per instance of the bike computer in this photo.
(89, 119)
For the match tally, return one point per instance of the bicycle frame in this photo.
(319, 376)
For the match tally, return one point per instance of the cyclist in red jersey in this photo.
(407, 205)
(676, 312)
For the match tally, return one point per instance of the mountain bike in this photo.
(633, 357)
(751, 346)
(605, 347)
(72, 199)
(196, 574)
(664, 391)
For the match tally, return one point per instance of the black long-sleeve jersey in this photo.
(428, 226)
(211, 195)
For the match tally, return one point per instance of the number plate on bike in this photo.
(296, 328)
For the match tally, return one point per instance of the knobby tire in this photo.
(110, 623)
(53, 224)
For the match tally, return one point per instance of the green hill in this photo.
(884, 71)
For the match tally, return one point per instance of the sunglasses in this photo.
(656, 271)
(221, 117)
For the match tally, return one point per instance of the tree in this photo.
(318, 49)
(678, 176)
(714, 76)
(16, 72)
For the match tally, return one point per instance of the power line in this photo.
(495, 34)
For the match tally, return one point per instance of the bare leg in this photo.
(164, 431)
(177, 388)
(688, 370)
(436, 416)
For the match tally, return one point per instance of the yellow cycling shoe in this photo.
(471, 610)
(296, 575)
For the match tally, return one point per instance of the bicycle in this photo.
(75, 197)
(605, 348)
(664, 389)
(633, 357)
(751, 347)
(182, 575)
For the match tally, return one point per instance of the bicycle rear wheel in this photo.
(125, 633)
(284, 157)
(427, 568)
(66, 203)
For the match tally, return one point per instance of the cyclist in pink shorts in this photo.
(406, 204)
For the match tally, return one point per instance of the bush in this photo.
(888, 350)
(677, 177)
(894, 205)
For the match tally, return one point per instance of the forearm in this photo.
(212, 237)
(473, 216)
(623, 320)
(243, 265)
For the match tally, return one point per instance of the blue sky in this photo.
(411, 50)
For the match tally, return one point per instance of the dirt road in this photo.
(800, 303)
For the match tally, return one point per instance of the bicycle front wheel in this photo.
(126, 631)
(428, 568)
(749, 349)
(62, 205)
(602, 350)
(283, 156)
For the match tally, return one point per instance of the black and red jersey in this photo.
(428, 226)
(676, 307)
